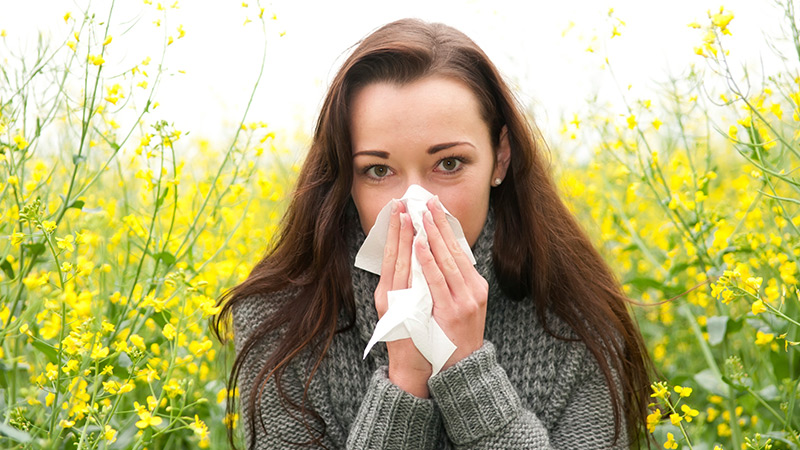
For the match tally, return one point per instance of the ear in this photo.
(502, 156)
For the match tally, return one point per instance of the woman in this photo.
(547, 355)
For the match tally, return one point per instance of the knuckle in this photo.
(472, 308)
(483, 286)
(389, 252)
(438, 278)
(400, 264)
(449, 264)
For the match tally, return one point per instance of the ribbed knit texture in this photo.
(524, 389)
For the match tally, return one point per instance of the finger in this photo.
(437, 284)
(458, 253)
(390, 248)
(447, 264)
(402, 268)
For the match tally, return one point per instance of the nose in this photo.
(418, 180)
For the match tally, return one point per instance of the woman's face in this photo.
(428, 132)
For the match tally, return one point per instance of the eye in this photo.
(377, 171)
(451, 164)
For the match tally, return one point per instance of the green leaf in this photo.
(167, 257)
(780, 365)
(3, 371)
(35, 249)
(716, 326)
(676, 269)
(162, 197)
(77, 159)
(7, 269)
(14, 434)
(47, 350)
(735, 385)
(643, 283)
(77, 204)
(709, 381)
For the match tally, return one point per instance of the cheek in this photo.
(470, 208)
(368, 207)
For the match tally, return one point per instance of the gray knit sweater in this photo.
(524, 389)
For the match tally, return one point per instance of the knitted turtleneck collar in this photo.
(364, 282)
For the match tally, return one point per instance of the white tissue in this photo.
(410, 310)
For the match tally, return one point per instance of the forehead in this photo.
(427, 109)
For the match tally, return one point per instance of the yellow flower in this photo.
(776, 109)
(97, 60)
(675, 418)
(70, 366)
(721, 19)
(670, 444)
(110, 434)
(67, 16)
(147, 420)
(632, 121)
(169, 331)
(764, 338)
(107, 41)
(111, 386)
(758, 307)
(652, 420)
(16, 238)
(230, 420)
(66, 423)
(20, 142)
(66, 243)
(659, 390)
(683, 391)
(656, 123)
(200, 428)
(181, 31)
(137, 341)
(151, 402)
(222, 395)
(689, 413)
(99, 351)
(114, 93)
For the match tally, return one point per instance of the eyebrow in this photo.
(431, 151)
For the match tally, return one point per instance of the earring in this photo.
(497, 181)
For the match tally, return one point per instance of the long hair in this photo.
(540, 253)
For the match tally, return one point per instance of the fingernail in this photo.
(428, 216)
(394, 206)
(403, 220)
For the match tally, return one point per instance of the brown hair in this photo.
(546, 256)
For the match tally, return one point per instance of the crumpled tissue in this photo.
(410, 310)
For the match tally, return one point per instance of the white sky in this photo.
(525, 39)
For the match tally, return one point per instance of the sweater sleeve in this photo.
(391, 418)
(388, 418)
(481, 409)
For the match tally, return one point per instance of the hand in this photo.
(408, 369)
(459, 292)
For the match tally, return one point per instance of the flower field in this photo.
(114, 250)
